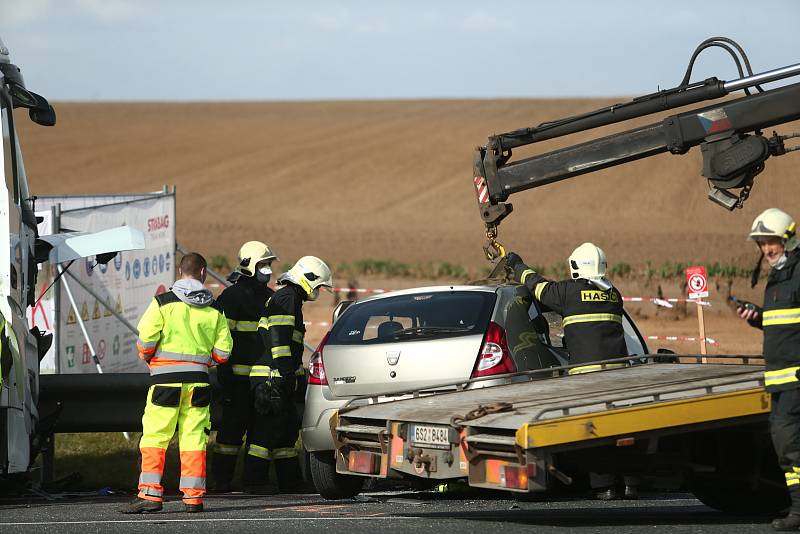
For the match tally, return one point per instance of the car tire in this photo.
(330, 484)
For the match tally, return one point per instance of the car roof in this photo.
(433, 289)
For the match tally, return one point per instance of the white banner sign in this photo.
(129, 281)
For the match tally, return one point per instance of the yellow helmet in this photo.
(775, 223)
(310, 273)
(251, 254)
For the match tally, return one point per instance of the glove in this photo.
(300, 392)
(512, 260)
(265, 399)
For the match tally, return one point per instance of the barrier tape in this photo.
(681, 338)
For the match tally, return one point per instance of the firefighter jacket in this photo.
(780, 319)
(183, 333)
(591, 317)
(244, 303)
(282, 332)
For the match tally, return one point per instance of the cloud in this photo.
(482, 21)
(21, 11)
(109, 10)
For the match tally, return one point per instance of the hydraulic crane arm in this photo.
(729, 133)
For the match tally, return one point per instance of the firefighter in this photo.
(244, 304)
(181, 335)
(278, 378)
(774, 233)
(591, 310)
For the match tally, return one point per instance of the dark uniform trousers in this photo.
(274, 436)
(244, 304)
(780, 319)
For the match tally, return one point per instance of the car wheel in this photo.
(330, 484)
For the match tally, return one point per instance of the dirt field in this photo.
(388, 180)
(392, 180)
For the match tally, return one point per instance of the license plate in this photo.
(437, 437)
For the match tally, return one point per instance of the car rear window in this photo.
(418, 316)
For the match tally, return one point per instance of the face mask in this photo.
(263, 274)
(314, 294)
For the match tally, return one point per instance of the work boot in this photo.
(631, 493)
(141, 506)
(192, 508)
(608, 494)
(787, 524)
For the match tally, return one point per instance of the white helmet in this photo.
(775, 223)
(588, 261)
(251, 254)
(309, 273)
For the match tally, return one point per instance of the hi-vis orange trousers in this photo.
(168, 405)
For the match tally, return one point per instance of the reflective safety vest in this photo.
(591, 317)
(244, 303)
(282, 331)
(180, 342)
(780, 320)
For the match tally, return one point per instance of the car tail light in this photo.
(515, 477)
(494, 357)
(316, 368)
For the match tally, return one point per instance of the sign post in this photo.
(697, 286)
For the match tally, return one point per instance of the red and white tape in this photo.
(682, 338)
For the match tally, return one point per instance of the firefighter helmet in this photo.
(310, 273)
(588, 261)
(251, 254)
(775, 223)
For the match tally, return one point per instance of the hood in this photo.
(192, 292)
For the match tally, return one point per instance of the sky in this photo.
(182, 50)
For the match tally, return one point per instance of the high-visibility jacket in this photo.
(591, 317)
(244, 303)
(180, 342)
(282, 331)
(780, 319)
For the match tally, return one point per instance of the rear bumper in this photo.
(320, 406)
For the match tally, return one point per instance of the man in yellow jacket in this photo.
(181, 334)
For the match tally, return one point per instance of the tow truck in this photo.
(676, 421)
(23, 429)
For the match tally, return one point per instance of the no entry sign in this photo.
(697, 282)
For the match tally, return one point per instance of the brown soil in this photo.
(392, 180)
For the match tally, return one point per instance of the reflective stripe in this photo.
(792, 479)
(153, 492)
(280, 320)
(591, 318)
(781, 376)
(297, 336)
(220, 356)
(263, 323)
(595, 367)
(281, 351)
(537, 292)
(146, 344)
(525, 275)
(300, 371)
(263, 370)
(149, 478)
(229, 450)
(192, 482)
(779, 317)
(242, 326)
(179, 368)
(179, 357)
(259, 452)
(241, 370)
(282, 454)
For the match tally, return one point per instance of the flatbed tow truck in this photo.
(678, 422)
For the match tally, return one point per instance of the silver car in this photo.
(423, 339)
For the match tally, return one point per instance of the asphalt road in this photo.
(385, 512)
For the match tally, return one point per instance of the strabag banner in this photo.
(129, 282)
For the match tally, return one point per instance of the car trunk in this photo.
(377, 369)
